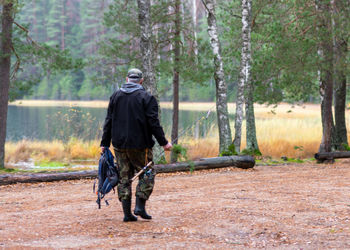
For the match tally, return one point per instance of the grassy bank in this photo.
(291, 131)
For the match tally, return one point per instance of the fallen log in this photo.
(204, 163)
(45, 177)
(332, 155)
(242, 161)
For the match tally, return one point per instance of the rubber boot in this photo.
(140, 209)
(127, 211)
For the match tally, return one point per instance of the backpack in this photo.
(108, 176)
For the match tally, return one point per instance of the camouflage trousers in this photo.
(131, 161)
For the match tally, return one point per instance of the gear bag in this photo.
(108, 176)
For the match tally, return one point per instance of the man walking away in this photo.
(132, 119)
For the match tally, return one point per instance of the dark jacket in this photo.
(132, 119)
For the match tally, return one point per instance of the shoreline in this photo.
(195, 106)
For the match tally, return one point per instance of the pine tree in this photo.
(56, 24)
(7, 13)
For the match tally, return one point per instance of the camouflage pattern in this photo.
(130, 162)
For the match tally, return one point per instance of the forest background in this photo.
(100, 40)
(106, 35)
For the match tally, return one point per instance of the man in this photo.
(132, 119)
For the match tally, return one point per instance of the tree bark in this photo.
(252, 142)
(146, 47)
(244, 72)
(176, 78)
(340, 99)
(194, 23)
(144, 8)
(5, 71)
(325, 71)
(225, 138)
(340, 53)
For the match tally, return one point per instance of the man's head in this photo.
(135, 76)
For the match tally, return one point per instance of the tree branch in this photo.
(17, 64)
(29, 39)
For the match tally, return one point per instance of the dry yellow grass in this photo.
(281, 131)
(43, 151)
(36, 150)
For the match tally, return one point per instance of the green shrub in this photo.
(231, 150)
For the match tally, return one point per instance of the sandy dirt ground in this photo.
(274, 207)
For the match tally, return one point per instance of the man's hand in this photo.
(102, 150)
(168, 147)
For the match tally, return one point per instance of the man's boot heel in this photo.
(140, 209)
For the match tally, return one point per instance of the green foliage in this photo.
(254, 152)
(107, 35)
(292, 160)
(179, 152)
(161, 160)
(230, 151)
(181, 155)
(346, 147)
(7, 170)
(284, 66)
(191, 164)
(299, 148)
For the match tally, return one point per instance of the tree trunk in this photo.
(194, 22)
(325, 72)
(176, 79)
(252, 142)
(146, 47)
(340, 53)
(5, 71)
(221, 88)
(148, 56)
(340, 100)
(244, 72)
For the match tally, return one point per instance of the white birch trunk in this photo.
(244, 74)
(194, 21)
(146, 48)
(225, 138)
(252, 142)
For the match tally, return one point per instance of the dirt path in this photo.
(288, 207)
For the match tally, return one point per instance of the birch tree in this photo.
(147, 55)
(245, 74)
(5, 67)
(252, 142)
(146, 47)
(225, 138)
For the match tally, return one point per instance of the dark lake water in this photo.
(61, 123)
